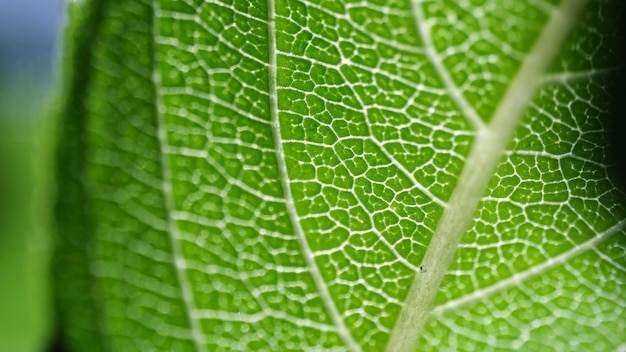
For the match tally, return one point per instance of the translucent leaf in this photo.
(335, 175)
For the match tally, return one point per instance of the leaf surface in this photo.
(288, 175)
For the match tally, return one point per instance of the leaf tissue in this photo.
(339, 175)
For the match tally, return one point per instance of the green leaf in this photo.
(25, 201)
(329, 175)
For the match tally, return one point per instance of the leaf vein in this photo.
(309, 258)
(166, 185)
(520, 277)
(490, 144)
(434, 57)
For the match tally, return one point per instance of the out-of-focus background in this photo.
(29, 37)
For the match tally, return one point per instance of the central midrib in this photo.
(309, 258)
(480, 165)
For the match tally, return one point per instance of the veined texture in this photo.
(301, 175)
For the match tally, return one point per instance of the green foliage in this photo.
(25, 203)
(338, 175)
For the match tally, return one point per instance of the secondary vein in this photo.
(486, 152)
(533, 271)
(166, 186)
(576, 76)
(309, 258)
(454, 91)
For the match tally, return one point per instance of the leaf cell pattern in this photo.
(268, 175)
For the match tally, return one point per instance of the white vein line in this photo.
(97, 298)
(574, 76)
(457, 96)
(203, 154)
(557, 157)
(404, 170)
(166, 184)
(390, 156)
(327, 299)
(487, 151)
(256, 317)
(214, 99)
(609, 260)
(518, 278)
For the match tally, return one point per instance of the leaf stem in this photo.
(479, 168)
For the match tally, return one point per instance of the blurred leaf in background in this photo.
(28, 29)
(24, 208)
